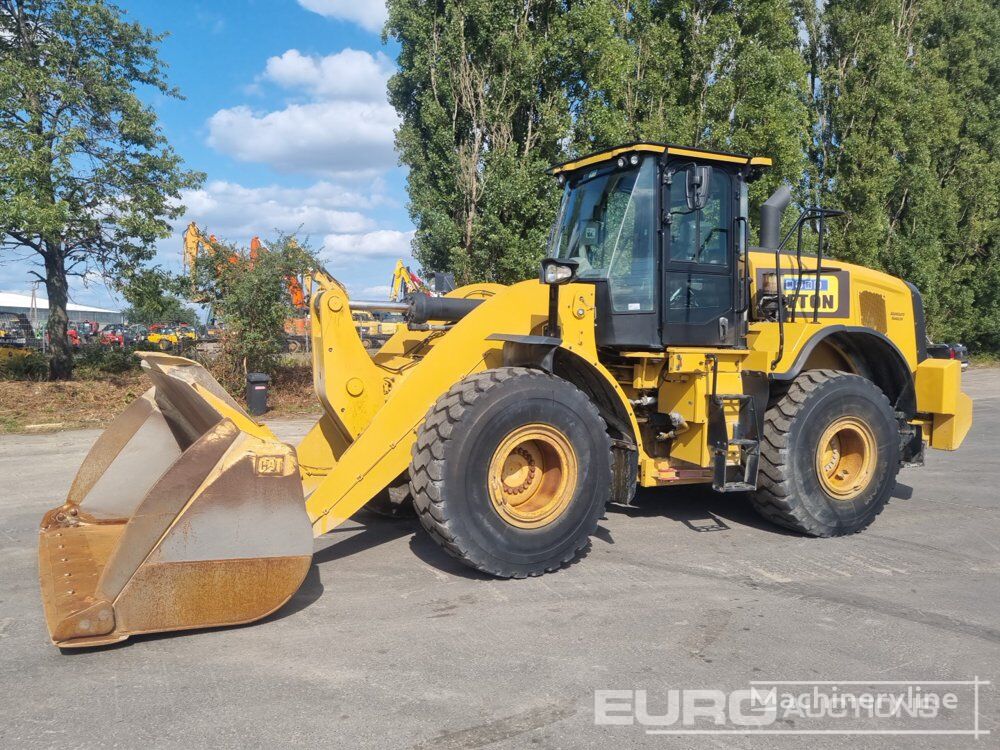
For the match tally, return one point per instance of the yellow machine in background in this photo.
(367, 327)
(405, 283)
(164, 339)
(656, 348)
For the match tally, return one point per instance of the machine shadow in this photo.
(698, 507)
(702, 509)
(431, 553)
(376, 530)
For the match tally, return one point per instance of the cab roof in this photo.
(659, 148)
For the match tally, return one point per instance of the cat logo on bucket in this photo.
(829, 294)
(273, 466)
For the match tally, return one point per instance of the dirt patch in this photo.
(42, 407)
(292, 393)
(77, 404)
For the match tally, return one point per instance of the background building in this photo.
(37, 310)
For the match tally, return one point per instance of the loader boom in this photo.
(379, 403)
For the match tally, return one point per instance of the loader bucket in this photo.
(185, 514)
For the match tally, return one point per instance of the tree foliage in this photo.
(724, 75)
(89, 182)
(886, 109)
(482, 112)
(154, 297)
(906, 122)
(249, 294)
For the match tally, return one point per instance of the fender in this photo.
(891, 372)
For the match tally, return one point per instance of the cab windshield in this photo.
(606, 224)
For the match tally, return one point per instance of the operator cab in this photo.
(661, 232)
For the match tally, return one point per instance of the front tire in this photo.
(829, 455)
(511, 471)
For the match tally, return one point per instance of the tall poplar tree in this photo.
(482, 116)
(907, 117)
(885, 108)
(723, 74)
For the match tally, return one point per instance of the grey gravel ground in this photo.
(391, 644)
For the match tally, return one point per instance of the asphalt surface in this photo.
(389, 643)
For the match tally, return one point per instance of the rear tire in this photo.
(829, 455)
(511, 471)
(394, 501)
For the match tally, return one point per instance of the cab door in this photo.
(700, 206)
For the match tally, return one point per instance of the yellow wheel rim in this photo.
(846, 458)
(532, 476)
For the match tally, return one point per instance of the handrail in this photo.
(811, 212)
(745, 259)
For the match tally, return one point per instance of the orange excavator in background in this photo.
(296, 326)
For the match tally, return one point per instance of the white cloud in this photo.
(235, 213)
(340, 249)
(334, 122)
(379, 291)
(348, 74)
(369, 14)
(336, 138)
(344, 127)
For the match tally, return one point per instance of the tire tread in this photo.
(775, 499)
(427, 470)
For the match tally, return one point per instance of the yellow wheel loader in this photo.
(656, 348)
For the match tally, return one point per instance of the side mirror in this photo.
(699, 179)
(557, 271)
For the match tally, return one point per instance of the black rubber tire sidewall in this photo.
(843, 396)
(521, 401)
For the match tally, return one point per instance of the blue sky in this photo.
(285, 111)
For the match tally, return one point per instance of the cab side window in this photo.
(701, 236)
(698, 286)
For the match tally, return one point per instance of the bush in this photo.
(251, 296)
(116, 361)
(94, 359)
(90, 356)
(23, 364)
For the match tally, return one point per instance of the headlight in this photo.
(556, 271)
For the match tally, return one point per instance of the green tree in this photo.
(153, 297)
(492, 93)
(483, 111)
(250, 295)
(89, 182)
(906, 117)
(724, 75)
(886, 109)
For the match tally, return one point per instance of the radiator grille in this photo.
(873, 311)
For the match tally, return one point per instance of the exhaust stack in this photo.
(770, 217)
